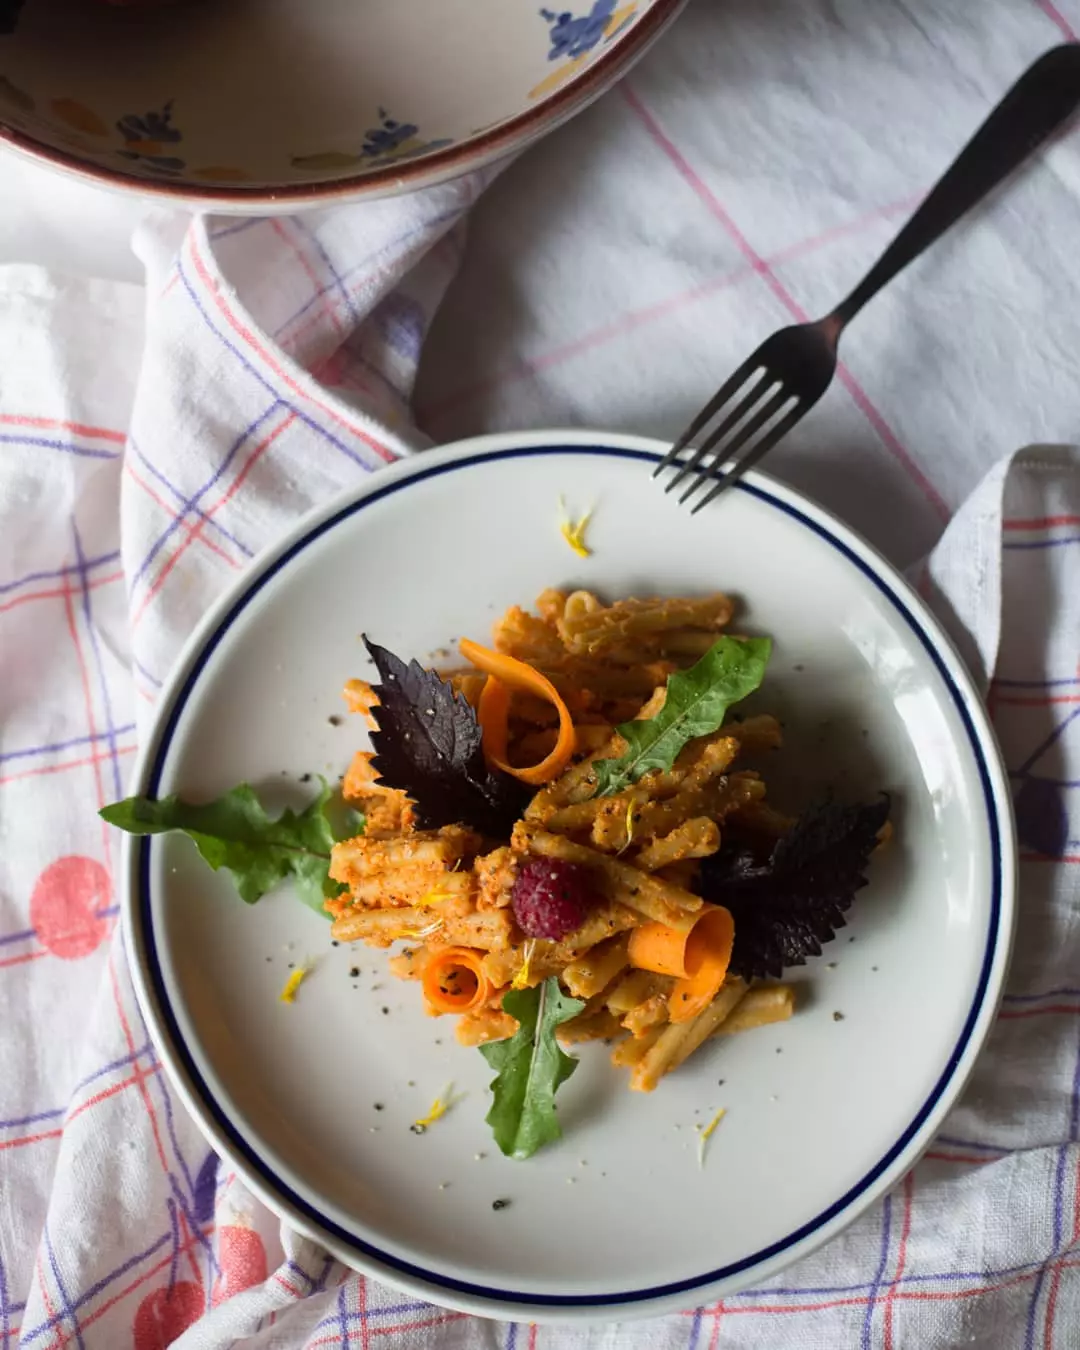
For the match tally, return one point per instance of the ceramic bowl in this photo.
(242, 104)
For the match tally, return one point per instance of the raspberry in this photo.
(551, 898)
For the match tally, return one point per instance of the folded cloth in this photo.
(126, 504)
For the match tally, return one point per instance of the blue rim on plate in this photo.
(410, 1270)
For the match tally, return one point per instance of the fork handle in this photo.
(1040, 101)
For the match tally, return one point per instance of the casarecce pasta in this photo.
(565, 839)
(649, 957)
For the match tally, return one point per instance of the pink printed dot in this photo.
(66, 903)
(166, 1314)
(242, 1258)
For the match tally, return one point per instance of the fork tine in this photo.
(753, 455)
(742, 407)
(750, 428)
(708, 413)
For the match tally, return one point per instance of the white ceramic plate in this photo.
(823, 1113)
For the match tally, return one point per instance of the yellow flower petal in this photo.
(424, 932)
(707, 1133)
(521, 979)
(574, 531)
(293, 983)
(434, 897)
(439, 1107)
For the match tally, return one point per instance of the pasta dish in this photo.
(612, 798)
(566, 838)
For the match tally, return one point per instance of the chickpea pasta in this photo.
(593, 891)
(564, 839)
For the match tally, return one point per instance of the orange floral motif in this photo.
(78, 116)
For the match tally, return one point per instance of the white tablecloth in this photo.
(745, 174)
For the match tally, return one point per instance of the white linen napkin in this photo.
(125, 506)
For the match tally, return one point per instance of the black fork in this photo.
(796, 365)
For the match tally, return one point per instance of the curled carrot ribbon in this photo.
(698, 958)
(454, 981)
(505, 674)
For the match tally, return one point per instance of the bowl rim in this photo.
(408, 175)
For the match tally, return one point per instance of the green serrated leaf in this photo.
(235, 832)
(428, 744)
(531, 1066)
(696, 705)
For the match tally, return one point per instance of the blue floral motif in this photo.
(574, 37)
(144, 135)
(387, 136)
(388, 143)
(393, 140)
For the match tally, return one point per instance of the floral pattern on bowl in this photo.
(145, 139)
(575, 38)
(386, 143)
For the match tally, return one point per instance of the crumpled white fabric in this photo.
(154, 438)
